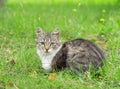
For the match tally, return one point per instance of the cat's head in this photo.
(47, 42)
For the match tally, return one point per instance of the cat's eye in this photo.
(52, 43)
(42, 43)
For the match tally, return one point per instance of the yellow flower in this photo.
(103, 10)
(100, 77)
(39, 18)
(33, 74)
(79, 4)
(102, 20)
(52, 76)
(69, 20)
(74, 10)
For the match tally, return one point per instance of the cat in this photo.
(76, 54)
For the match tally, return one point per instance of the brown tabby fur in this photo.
(76, 54)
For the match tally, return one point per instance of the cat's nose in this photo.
(47, 48)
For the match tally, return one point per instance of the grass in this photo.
(20, 67)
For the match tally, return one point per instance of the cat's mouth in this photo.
(46, 52)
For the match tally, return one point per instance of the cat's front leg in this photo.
(78, 65)
(74, 66)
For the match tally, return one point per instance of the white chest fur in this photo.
(46, 59)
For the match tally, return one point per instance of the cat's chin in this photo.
(47, 53)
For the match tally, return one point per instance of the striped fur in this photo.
(76, 54)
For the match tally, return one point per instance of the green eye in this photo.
(52, 43)
(42, 43)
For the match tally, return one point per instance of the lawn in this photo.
(95, 20)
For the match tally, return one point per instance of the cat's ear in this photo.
(40, 32)
(56, 32)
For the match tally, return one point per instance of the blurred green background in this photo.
(95, 20)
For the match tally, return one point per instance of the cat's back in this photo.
(79, 51)
(85, 45)
(82, 53)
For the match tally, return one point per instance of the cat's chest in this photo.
(46, 60)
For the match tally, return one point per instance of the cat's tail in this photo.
(97, 55)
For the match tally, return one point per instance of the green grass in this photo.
(75, 19)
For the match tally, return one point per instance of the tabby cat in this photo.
(76, 54)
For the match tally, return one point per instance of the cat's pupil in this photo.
(42, 43)
(52, 43)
